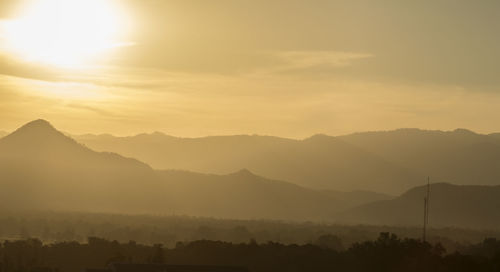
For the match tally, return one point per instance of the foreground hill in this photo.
(450, 205)
(321, 161)
(43, 169)
(245, 195)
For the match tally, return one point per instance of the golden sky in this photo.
(282, 67)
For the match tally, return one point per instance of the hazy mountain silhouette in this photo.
(255, 197)
(450, 205)
(495, 136)
(460, 156)
(357, 198)
(41, 168)
(389, 161)
(39, 140)
(321, 161)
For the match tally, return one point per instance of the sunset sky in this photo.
(277, 67)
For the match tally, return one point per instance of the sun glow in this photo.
(67, 33)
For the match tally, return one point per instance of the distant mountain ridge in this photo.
(320, 162)
(459, 157)
(386, 161)
(41, 168)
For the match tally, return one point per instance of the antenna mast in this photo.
(426, 209)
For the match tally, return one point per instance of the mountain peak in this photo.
(36, 128)
(38, 133)
(244, 173)
(38, 124)
(158, 133)
(319, 138)
(464, 131)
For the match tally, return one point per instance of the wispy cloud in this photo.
(304, 59)
(97, 110)
(301, 61)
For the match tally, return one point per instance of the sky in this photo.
(290, 68)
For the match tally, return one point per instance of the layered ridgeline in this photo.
(320, 162)
(41, 168)
(468, 206)
(390, 162)
(459, 157)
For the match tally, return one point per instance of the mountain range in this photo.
(389, 162)
(320, 162)
(41, 168)
(459, 157)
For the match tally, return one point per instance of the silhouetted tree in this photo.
(329, 241)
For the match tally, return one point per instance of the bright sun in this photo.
(66, 33)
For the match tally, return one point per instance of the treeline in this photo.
(386, 253)
(50, 227)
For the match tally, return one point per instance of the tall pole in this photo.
(428, 198)
(425, 221)
(426, 209)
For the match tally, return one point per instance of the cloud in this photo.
(97, 110)
(14, 67)
(412, 42)
(317, 61)
(224, 67)
(301, 59)
(108, 76)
